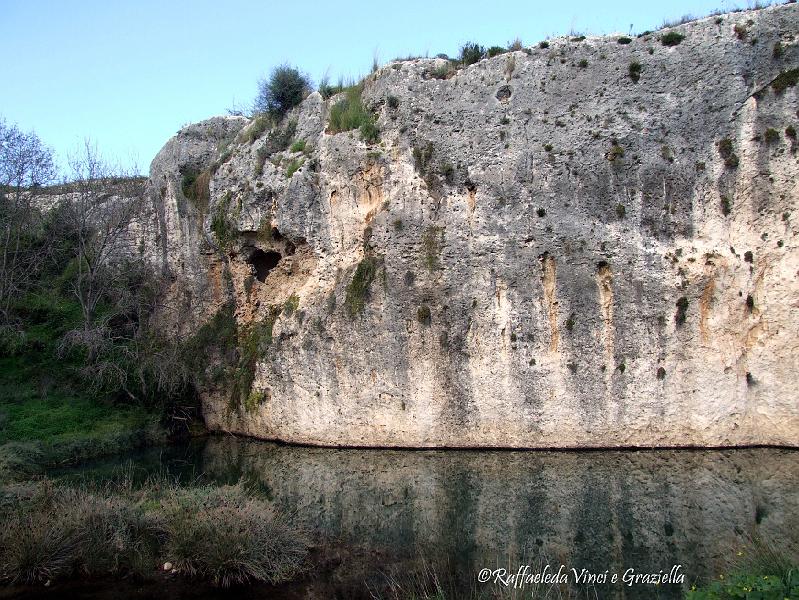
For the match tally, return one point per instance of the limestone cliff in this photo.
(587, 244)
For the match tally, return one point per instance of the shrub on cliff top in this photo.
(285, 89)
(472, 53)
(672, 38)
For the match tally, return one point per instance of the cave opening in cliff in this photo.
(263, 262)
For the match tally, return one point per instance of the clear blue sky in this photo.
(129, 74)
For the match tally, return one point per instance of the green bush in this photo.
(785, 80)
(196, 188)
(621, 211)
(624, 40)
(423, 315)
(635, 71)
(771, 135)
(725, 149)
(285, 89)
(357, 292)
(393, 102)
(471, 53)
(583, 64)
(495, 51)
(543, 45)
(293, 167)
(349, 113)
(682, 310)
(222, 226)
(726, 206)
(298, 146)
(672, 38)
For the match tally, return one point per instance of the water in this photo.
(598, 510)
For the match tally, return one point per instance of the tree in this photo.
(285, 89)
(26, 164)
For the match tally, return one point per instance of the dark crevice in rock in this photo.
(263, 262)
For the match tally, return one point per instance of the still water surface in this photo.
(599, 510)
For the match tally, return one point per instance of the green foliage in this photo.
(328, 91)
(291, 305)
(749, 586)
(432, 239)
(393, 102)
(621, 211)
(790, 132)
(285, 89)
(785, 80)
(298, 146)
(771, 135)
(222, 226)
(635, 71)
(254, 340)
(349, 113)
(583, 64)
(661, 374)
(256, 129)
(726, 206)
(357, 292)
(570, 322)
(616, 152)
(740, 31)
(779, 50)
(548, 147)
(541, 211)
(672, 38)
(624, 40)
(725, 149)
(543, 45)
(196, 188)
(423, 315)
(422, 157)
(682, 310)
(495, 51)
(471, 53)
(294, 166)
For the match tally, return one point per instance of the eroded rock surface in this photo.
(539, 252)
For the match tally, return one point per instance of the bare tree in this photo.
(117, 290)
(25, 165)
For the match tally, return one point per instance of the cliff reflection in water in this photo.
(598, 510)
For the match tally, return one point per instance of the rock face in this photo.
(553, 247)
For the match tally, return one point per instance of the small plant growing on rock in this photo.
(661, 373)
(672, 38)
(393, 102)
(771, 135)
(298, 146)
(616, 152)
(423, 315)
(790, 132)
(725, 149)
(785, 80)
(543, 45)
(570, 322)
(726, 206)
(740, 31)
(778, 51)
(635, 71)
(357, 292)
(350, 113)
(624, 40)
(583, 64)
(495, 51)
(682, 310)
(541, 212)
(621, 211)
(291, 305)
(293, 167)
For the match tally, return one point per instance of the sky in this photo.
(128, 74)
